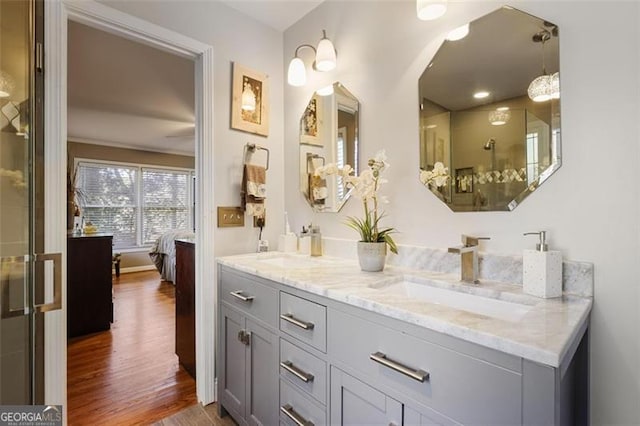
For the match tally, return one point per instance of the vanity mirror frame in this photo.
(500, 55)
(329, 129)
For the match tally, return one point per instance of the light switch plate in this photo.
(230, 216)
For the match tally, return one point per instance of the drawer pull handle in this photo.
(238, 295)
(293, 320)
(302, 375)
(293, 415)
(419, 375)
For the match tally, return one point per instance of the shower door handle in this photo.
(6, 266)
(57, 281)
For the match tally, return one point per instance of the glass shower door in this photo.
(24, 270)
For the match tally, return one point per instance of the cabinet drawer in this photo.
(304, 320)
(299, 406)
(249, 296)
(304, 370)
(467, 389)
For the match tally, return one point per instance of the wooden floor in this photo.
(130, 374)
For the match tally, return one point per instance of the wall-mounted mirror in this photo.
(328, 134)
(490, 110)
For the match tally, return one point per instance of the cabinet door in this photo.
(356, 403)
(425, 417)
(262, 375)
(233, 377)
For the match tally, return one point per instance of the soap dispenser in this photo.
(542, 269)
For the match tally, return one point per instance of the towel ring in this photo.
(251, 148)
(311, 157)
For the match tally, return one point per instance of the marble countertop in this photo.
(542, 334)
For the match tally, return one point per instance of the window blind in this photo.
(134, 203)
(108, 197)
(165, 202)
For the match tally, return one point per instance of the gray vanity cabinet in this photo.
(248, 356)
(290, 357)
(356, 403)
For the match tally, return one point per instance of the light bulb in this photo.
(297, 75)
(481, 95)
(429, 10)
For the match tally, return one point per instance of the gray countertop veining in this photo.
(543, 334)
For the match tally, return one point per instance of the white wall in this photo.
(235, 38)
(590, 206)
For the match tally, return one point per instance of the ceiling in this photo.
(498, 56)
(124, 93)
(278, 14)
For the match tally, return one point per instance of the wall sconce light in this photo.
(428, 10)
(7, 84)
(325, 60)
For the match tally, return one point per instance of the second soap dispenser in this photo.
(542, 269)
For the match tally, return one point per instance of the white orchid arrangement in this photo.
(366, 186)
(438, 176)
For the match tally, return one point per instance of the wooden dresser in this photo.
(89, 290)
(186, 305)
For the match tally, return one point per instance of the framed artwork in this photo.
(251, 88)
(311, 123)
(464, 180)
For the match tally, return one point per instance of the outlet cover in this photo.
(230, 216)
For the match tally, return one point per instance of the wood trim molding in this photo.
(206, 283)
(131, 269)
(55, 152)
(99, 16)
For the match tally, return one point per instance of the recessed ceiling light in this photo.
(481, 95)
(502, 109)
(459, 33)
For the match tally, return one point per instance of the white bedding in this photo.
(163, 252)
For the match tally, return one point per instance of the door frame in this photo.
(88, 12)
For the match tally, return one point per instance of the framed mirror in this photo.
(490, 110)
(328, 134)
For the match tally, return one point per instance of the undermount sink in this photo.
(494, 308)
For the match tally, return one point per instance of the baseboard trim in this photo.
(134, 269)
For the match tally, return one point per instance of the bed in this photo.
(163, 253)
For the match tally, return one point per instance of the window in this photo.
(135, 203)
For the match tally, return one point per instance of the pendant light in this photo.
(428, 10)
(7, 84)
(500, 116)
(325, 60)
(541, 89)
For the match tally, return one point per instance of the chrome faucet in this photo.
(468, 258)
